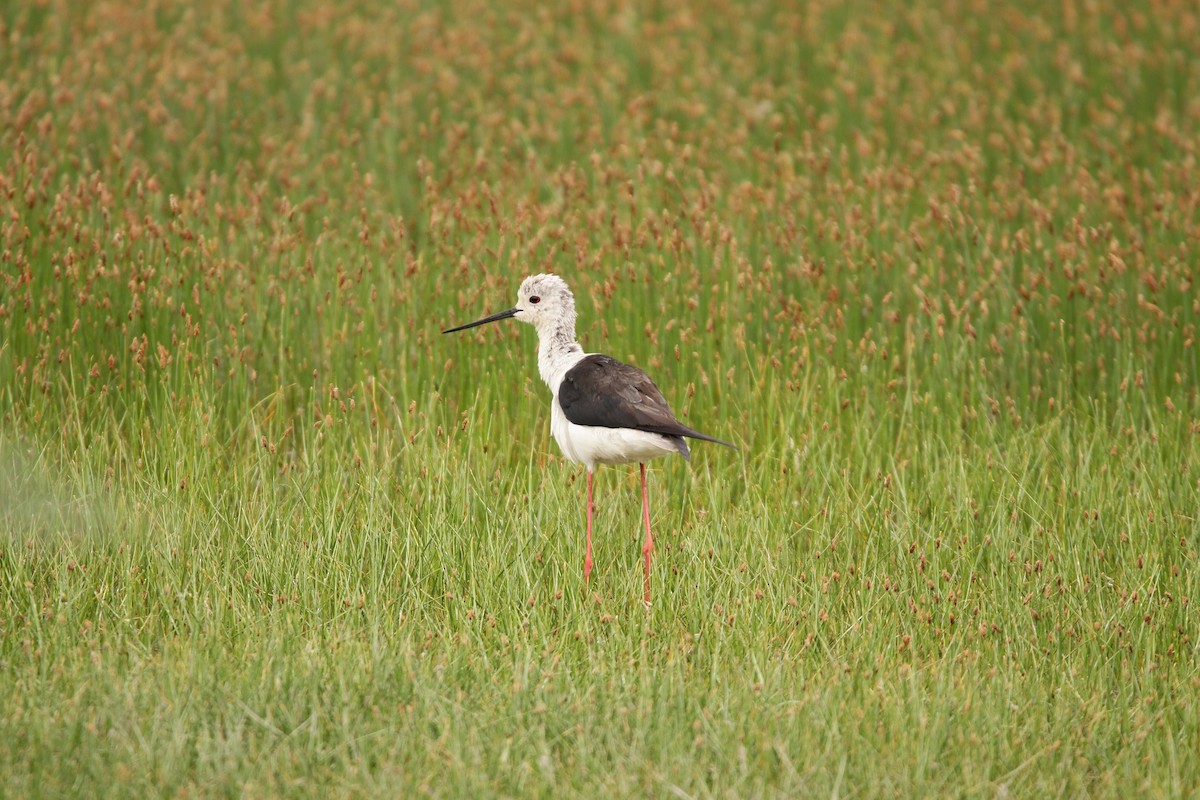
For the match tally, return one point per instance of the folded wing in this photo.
(605, 393)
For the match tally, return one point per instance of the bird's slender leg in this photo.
(587, 558)
(649, 546)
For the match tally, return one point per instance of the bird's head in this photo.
(544, 301)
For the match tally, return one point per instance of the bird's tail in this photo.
(682, 446)
(695, 434)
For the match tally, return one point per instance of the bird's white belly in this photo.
(590, 446)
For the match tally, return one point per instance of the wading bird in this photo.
(603, 411)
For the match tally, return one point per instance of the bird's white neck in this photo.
(557, 349)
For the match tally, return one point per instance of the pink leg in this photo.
(649, 546)
(587, 558)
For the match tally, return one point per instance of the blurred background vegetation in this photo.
(932, 265)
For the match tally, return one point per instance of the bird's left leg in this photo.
(587, 557)
(649, 546)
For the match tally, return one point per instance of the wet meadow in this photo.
(265, 532)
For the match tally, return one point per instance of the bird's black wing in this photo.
(604, 393)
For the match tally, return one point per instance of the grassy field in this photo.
(264, 532)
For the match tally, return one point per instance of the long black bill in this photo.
(493, 318)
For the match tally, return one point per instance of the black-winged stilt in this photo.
(603, 411)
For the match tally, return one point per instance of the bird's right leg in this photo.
(587, 558)
(649, 546)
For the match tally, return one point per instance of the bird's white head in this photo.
(545, 302)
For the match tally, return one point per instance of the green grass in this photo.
(265, 532)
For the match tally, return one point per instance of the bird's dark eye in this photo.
(535, 299)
